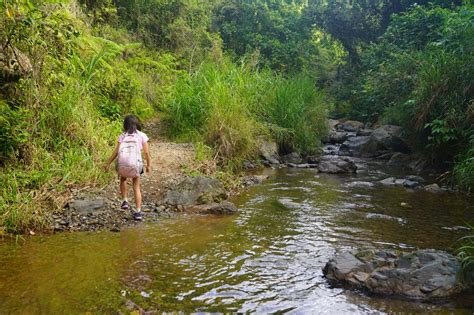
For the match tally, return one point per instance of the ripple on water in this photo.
(268, 258)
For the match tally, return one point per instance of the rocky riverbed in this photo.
(349, 148)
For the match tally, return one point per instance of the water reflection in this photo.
(266, 259)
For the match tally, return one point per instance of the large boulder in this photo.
(363, 146)
(400, 160)
(426, 275)
(336, 165)
(195, 191)
(269, 151)
(390, 138)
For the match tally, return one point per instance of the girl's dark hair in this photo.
(131, 124)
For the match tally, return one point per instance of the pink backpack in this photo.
(129, 162)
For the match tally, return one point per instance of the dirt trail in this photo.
(90, 211)
(168, 160)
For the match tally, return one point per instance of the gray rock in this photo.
(336, 165)
(87, 206)
(350, 125)
(198, 190)
(364, 132)
(388, 181)
(269, 151)
(415, 178)
(330, 149)
(336, 137)
(363, 146)
(293, 158)
(224, 207)
(390, 137)
(360, 184)
(426, 275)
(411, 183)
(288, 203)
(332, 123)
(433, 188)
(401, 160)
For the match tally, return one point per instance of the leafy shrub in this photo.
(420, 75)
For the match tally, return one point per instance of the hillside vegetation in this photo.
(226, 74)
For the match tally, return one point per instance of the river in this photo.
(268, 258)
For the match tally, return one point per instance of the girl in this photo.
(132, 126)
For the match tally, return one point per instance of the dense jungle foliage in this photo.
(226, 73)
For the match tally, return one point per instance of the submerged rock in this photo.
(426, 275)
(336, 165)
(288, 203)
(433, 188)
(224, 207)
(198, 190)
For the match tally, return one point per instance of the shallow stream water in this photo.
(268, 258)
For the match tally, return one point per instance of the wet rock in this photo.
(363, 146)
(371, 215)
(288, 203)
(360, 184)
(401, 160)
(269, 151)
(313, 159)
(410, 181)
(87, 206)
(415, 178)
(364, 132)
(433, 188)
(254, 179)
(198, 190)
(336, 137)
(426, 275)
(336, 165)
(247, 165)
(350, 125)
(390, 137)
(330, 149)
(293, 158)
(224, 207)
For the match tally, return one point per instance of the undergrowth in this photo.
(59, 122)
(233, 107)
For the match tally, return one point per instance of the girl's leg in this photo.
(123, 188)
(137, 193)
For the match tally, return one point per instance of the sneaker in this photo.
(125, 205)
(137, 216)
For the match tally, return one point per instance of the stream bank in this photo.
(349, 148)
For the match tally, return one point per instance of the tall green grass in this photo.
(466, 256)
(232, 107)
(59, 123)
